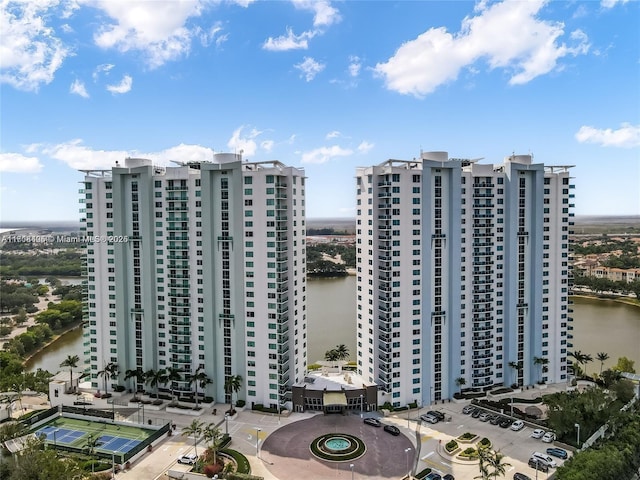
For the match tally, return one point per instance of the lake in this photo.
(599, 326)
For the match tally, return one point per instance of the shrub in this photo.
(118, 388)
(211, 469)
(470, 453)
(485, 442)
(467, 436)
(451, 446)
(423, 473)
(240, 403)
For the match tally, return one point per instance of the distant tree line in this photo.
(326, 231)
(605, 245)
(347, 253)
(599, 285)
(65, 263)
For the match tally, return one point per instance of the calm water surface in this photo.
(599, 326)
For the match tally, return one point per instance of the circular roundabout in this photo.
(337, 447)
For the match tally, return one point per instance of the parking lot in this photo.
(516, 446)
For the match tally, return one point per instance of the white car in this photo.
(538, 433)
(517, 425)
(189, 459)
(548, 437)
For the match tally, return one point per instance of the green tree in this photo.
(625, 365)
(517, 367)
(232, 384)
(460, 382)
(490, 463)
(602, 357)
(173, 375)
(194, 429)
(35, 462)
(72, 362)
(155, 378)
(108, 372)
(90, 445)
(199, 379)
(138, 378)
(540, 362)
(342, 351)
(213, 438)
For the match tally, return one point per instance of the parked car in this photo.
(426, 417)
(517, 425)
(439, 415)
(505, 423)
(392, 429)
(189, 459)
(484, 417)
(538, 433)
(558, 452)
(520, 476)
(468, 409)
(538, 465)
(548, 437)
(544, 458)
(448, 476)
(476, 413)
(373, 422)
(495, 420)
(433, 476)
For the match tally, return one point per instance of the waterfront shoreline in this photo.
(53, 340)
(618, 299)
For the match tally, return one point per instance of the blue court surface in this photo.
(60, 435)
(116, 444)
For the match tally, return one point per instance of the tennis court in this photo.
(74, 433)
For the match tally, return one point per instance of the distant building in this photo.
(463, 270)
(197, 266)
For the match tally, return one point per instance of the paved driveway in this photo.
(287, 456)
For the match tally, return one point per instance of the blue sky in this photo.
(327, 86)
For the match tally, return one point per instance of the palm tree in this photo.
(517, 366)
(490, 463)
(232, 384)
(213, 438)
(581, 358)
(173, 375)
(460, 382)
(90, 446)
(602, 357)
(540, 362)
(138, 377)
(342, 352)
(195, 429)
(155, 378)
(109, 371)
(72, 362)
(199, 379)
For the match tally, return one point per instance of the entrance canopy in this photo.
(334, 398)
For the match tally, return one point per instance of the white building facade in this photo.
(198, 268)
(463, 275)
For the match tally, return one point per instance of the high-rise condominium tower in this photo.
(198, 268)
(463, 275)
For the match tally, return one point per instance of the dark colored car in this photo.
(468, 409)
(373, 421)
(538, 465)
(505, 422)
(558, 452)
(433, 476)
(392, 429)
(448, 476)
(520, 476)
(495, 420)
(439, 415)
(476, 413)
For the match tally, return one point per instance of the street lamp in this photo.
(55, 445)
(511, 406)
(258, 430)
(141, 405)
(351, 467)
(226, 423)
(407, 450)
(361, 405)
(577, 425)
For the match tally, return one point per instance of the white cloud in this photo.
(324, 154)
(290, 41)
(325, 14)
(78, 88)
(309, 68)
(267, 145)
(155, 28)
(627, 136)
(246, 142)
(612, 3)
(365, 146)
(213, 35)
(123, 87)
(508, 35)
(30, 51)
(354, 66)
(333, 134)
(243, 3)
(81, 157)
(100, 69)
(17, 163)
